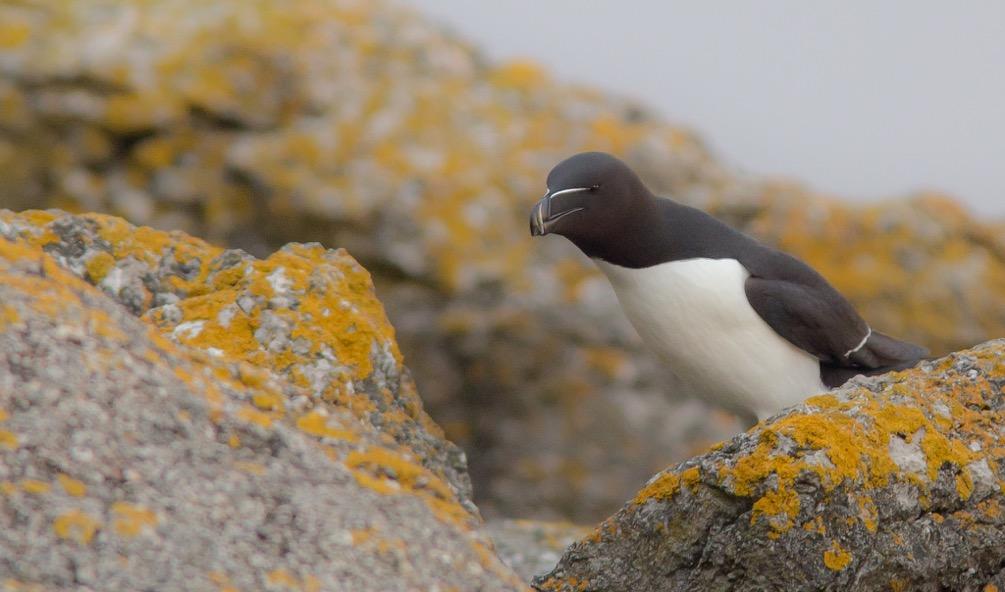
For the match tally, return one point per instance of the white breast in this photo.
(695, 315)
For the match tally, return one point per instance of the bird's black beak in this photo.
(538, 214)
(546, 212)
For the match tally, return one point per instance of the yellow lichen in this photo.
(75, 525)
(8, 316)
(13, 34)
(71, 486)
(99, 265)
(663, 487)
(836, 558)
(131, 520)
(267, 401)
(35, 486)
(254, 416)
(8, 440)
(316, 424)
(387, 472)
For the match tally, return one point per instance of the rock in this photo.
(306, 314)
(889, 483)
(197, 450)
(532, 547)
(364, 126)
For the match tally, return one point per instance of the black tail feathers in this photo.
(880, 354)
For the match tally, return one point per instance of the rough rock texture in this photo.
(361, 125)
(891, 483)
(532, 547)
(197, 451)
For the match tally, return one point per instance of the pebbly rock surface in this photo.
(361, 124)
(174, 416)
(889, 483)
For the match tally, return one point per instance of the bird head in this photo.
(592, 198)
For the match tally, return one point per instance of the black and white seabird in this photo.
(739, 323)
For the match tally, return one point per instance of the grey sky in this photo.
(860, 99)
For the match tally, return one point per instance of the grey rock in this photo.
(131, 462)
(818, 498)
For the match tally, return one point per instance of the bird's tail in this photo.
(881, 351)
(879, 355)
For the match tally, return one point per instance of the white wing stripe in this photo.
(861, 344)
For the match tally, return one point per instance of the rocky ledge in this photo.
(889, 483)
(364, 125)
(174, 416)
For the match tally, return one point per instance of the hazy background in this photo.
(863, 100)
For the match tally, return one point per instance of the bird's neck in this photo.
(643, 240)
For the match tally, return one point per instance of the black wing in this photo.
(802, 307)
(795, 301)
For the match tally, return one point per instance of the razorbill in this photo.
(739, 323)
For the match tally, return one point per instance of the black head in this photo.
(593, 198)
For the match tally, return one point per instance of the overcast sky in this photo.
(859, 99)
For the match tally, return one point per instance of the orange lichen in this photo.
(853, 435)
(71, 486)
(255, 416)
(75, 525)
(519, 74)
(8, 440)
(815, 525)
(836, 558)
(316, 424)
(267, 401)
(14, 34)
(8, 316)
(664, 486)
(99, 265)
(387, 472)
(35, 486)
(131, 520)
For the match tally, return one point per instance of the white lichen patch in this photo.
(983, 477)
(279, 282)
(188, 330)
(116, 279)
(226, 315)
(908, 455)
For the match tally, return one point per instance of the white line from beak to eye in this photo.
(570, 190)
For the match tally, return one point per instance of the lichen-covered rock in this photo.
(254, 434)
(359, 124)
(889, 483)
(305, 314)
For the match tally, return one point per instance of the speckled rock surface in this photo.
(360, 124)
(532, 547)
(153, 455)
(305, 314)
(890, 483)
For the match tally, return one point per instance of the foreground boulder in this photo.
(363, 125)
(889, 483)
(256, 432)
